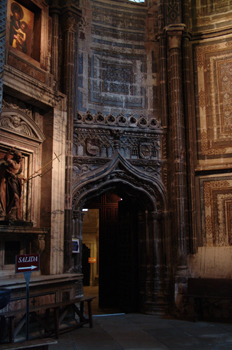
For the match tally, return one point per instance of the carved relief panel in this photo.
(214, 78)
(216, 198)
(97, 137)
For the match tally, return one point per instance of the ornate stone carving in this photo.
(217, 217)
(173, 11)
(92, 147)
(20, 121)
(120, 120)
(16, 124)
(7, 105)
(145, 150)
(214, 98)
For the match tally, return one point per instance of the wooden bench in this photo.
(42, 314)
(38, 344)
(208, 291)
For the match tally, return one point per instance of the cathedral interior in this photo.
(115, 116)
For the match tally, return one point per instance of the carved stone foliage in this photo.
(217, 211)
(214, 73)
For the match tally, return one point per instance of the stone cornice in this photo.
(16, 80)
(130, 123)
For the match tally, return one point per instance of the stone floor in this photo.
(144, 332)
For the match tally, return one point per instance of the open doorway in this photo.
(111, 230)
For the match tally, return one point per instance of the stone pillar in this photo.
(69, 25)
(3, 9)
(55, 11)
(163, 79)
(188, 81)
(166, 256)
(177, 144)
(149, 262)
(160, 305)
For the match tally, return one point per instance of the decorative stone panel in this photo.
(116, 73)
(96, 138)
(217, 211)
(173, 12)
(214, 79)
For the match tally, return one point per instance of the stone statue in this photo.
(11, 178)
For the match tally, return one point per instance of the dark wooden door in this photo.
(128, 290)
(108, 251)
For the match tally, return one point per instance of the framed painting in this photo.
(21, 28)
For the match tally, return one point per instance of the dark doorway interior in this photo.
(118, 250)
(85, 265)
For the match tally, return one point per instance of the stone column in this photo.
(160, 302)
(55, 11)
(149, 264)
(188, 81)
(163, 79)
(69, 25)
(177, 154)
(3, 9)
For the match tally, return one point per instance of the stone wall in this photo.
(33, 120)
(212, 52)
(116, 73)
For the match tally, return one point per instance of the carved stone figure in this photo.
(15, 123)
(11, 178)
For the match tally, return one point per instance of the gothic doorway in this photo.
(122, 226)
(134, 247)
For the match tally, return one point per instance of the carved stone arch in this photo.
(17, 122)
(120, 174)
(120, 170)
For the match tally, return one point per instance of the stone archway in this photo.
(120, 175)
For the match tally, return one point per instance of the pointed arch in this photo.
(119, 170)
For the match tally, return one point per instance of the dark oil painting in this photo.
(21, 28)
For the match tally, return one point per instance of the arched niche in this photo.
(19, 130)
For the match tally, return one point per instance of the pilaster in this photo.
(55, 11)
(69, 20)
(163, 78)
(188, 83)
(177, 142)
